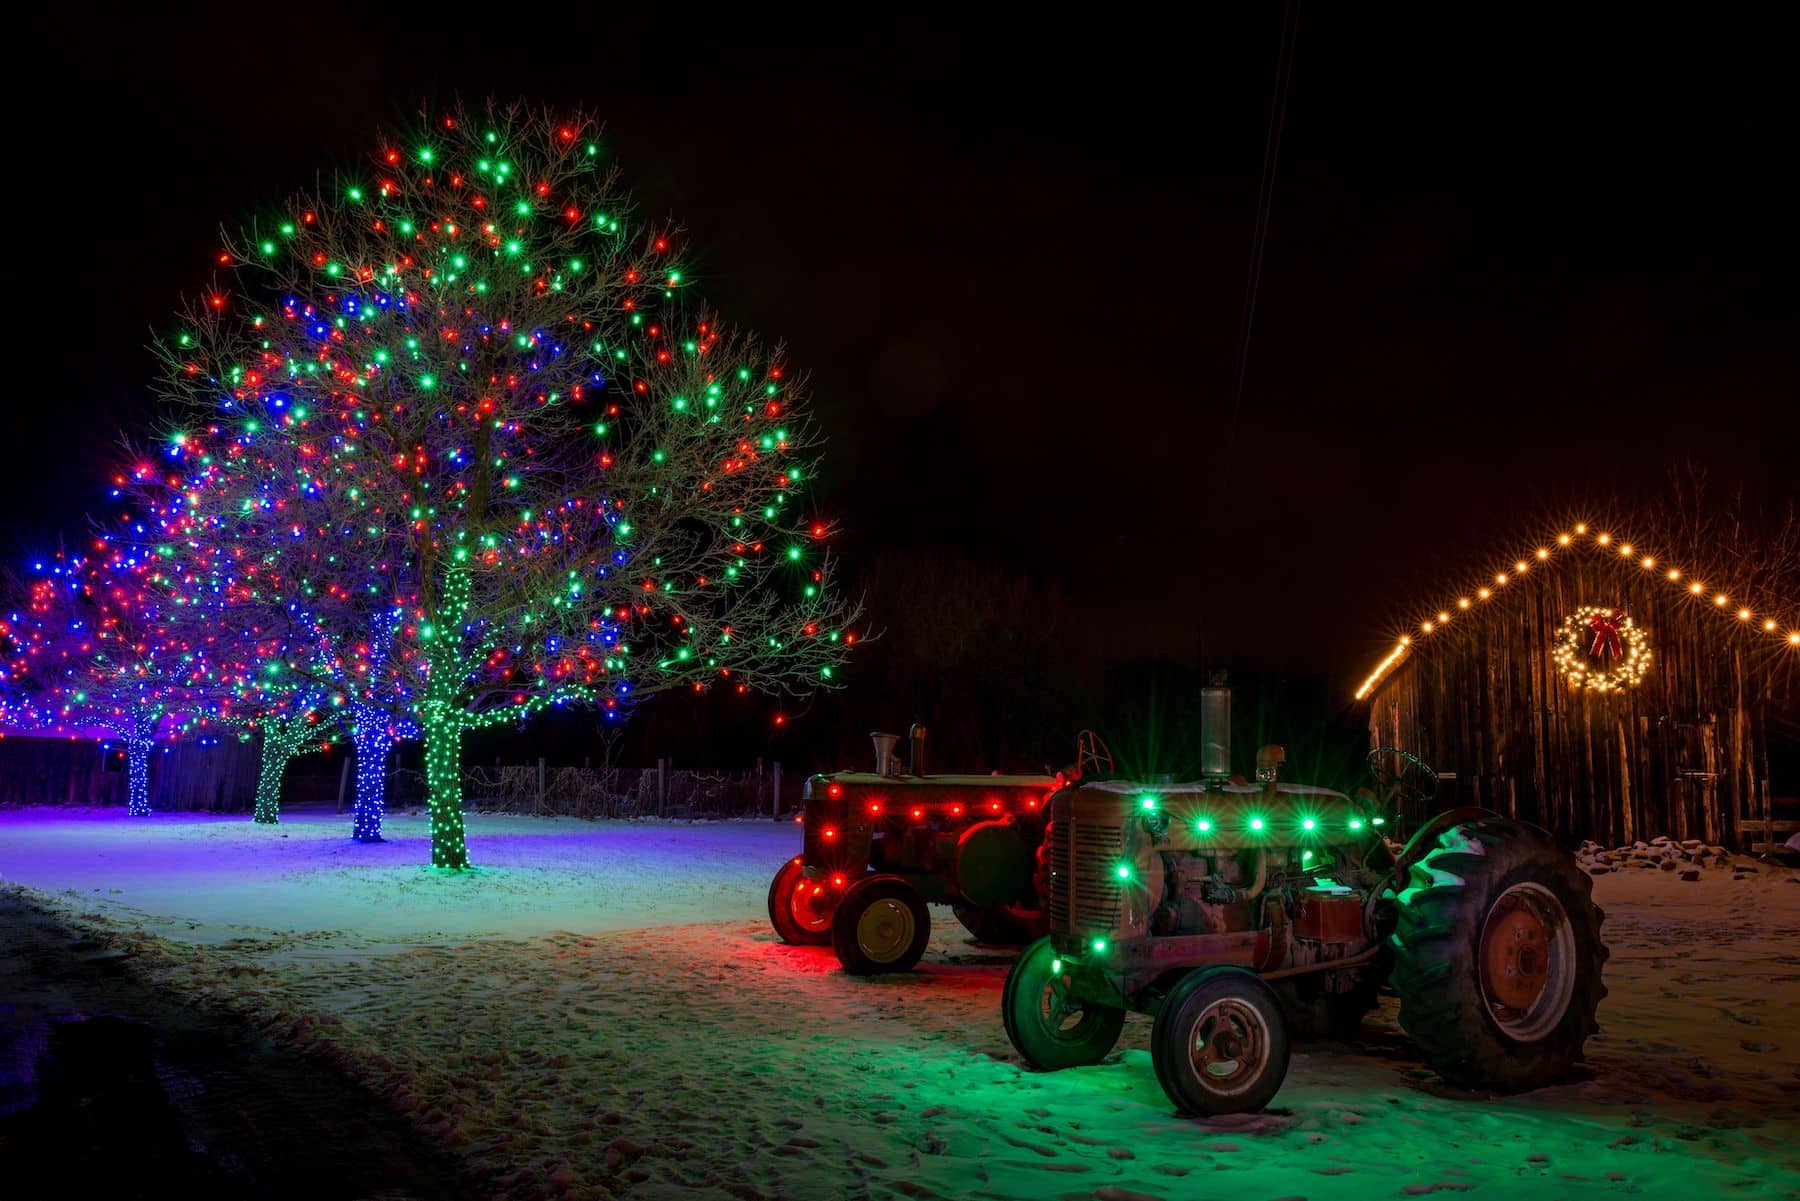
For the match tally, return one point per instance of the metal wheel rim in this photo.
(885, 929)
(1228, 1046)
(812, 905)
(1533, 921)
(1054, 1009)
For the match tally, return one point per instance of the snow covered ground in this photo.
(601, 1011)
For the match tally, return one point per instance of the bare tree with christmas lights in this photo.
(88, 648)
(303, 582)
(575, 495)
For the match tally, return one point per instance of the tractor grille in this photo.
(1083, 894)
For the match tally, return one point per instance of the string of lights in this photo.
(1762, 620)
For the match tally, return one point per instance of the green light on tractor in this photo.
(1379, 821)
(1124, 871)
(1148, 802)
(1099, 946)
(1305, 856)
(1256, 823)
(1056, 967)
(1204, 826)
(1308, 824)
(1356, 823)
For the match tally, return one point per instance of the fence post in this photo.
(662, 785)
(540, 781)
(343, 782)
(775, 792)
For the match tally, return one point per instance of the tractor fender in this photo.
(1425, 838)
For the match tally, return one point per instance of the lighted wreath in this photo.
(1600, 647)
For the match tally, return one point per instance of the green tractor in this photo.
(1241, 914)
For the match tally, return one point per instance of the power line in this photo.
(1284, 74)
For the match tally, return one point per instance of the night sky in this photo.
(1511, 271)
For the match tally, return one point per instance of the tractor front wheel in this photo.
(881, 925)
(801, 909)
(1048, 1027)
(1220, 1043)
(1497, 956)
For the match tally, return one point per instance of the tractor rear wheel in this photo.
(1497, 956)
(881, 925)
(1047, 1027)
(1220, 1042)
(801, 909)
(1000, 927)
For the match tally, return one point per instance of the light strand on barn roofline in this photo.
(1578, 535)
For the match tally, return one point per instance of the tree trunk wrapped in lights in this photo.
(285, 734)
(140, 740)
(457, 384)
(372, 734)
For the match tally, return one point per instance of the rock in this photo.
(1745, 867)
(1691, 874)
(1598, 869)
(1691, 844)
(1661, 840)
(1668, 865)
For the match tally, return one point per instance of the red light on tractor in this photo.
(917, 814)
(875, 808)
(1032, 803)
(994, 806)
(828, 833)
(836, 790)
(956, 811)
(837, 881)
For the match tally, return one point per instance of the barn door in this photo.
(1696, 783)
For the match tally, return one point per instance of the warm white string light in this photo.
(1521, 567)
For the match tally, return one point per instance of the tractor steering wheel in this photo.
(1404, 777)
(1093, 758)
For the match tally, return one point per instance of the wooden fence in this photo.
(221, 777)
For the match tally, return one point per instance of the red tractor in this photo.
(1239, 913)
(880, 846)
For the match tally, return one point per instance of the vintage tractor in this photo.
(879, 847)
(1238, 914)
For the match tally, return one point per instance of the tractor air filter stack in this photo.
(917, 737)
(1215, 731)
(884, 753)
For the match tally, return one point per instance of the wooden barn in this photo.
(1604, 689)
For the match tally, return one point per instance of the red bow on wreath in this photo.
(1605, 625)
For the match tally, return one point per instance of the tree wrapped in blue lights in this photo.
(470, 360)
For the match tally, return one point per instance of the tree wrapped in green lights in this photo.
(576, 495)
